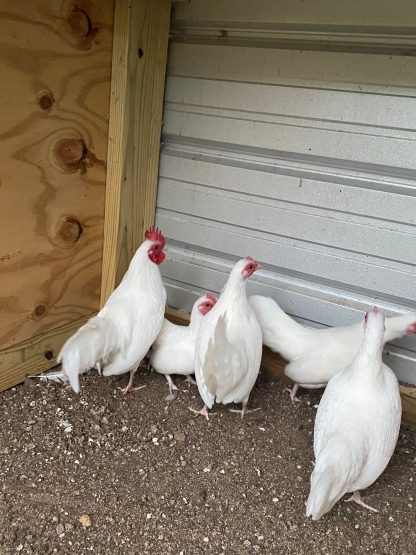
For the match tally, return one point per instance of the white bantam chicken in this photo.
(356, 426)
(315, 355)
(122, 332)
(173, 352)
(229, 344)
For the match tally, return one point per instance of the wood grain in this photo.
(141, 30)
(272, 366)
(55, 60)
(35, 355)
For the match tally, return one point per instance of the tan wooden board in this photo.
(272, 366)
(141, 31)
(55, 61)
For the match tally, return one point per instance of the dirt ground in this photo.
(106, 474)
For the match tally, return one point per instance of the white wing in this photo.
(173, 352)
(229, 363)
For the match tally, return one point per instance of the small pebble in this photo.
(85, 520)
(179, 436)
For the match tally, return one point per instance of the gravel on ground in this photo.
(105, 473)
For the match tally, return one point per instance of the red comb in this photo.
(211, 298)
(154, 234)
(249, 258)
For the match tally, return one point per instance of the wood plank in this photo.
(272, 366)
(35, 355)
(141, 31)
(55, 61)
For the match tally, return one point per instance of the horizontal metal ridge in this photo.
(375, 177)
(345, 38)
(356, 298)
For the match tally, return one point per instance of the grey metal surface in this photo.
(302, 157)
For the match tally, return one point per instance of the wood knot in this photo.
(70, 230)
(81, 27)
(40, 311)
(45, 100)
(70, 154)
(49, 355)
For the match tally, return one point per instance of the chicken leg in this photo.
(202, 412)
(244, 410)
(292, 394)
(129, 386)
(172, 388)
(356, 497)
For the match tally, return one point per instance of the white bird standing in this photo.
(173, 351)
(229, 344)
(122, 332)
(356, 426)
(315, 355)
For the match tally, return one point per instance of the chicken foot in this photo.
(356, 497)
(202, 412)
(129, 386)
(292, 394)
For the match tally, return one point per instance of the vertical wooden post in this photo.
(141, 30)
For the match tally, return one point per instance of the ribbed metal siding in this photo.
(289, 135)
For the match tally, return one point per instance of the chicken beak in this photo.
(259, 266)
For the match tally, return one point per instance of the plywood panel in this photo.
(55, 61)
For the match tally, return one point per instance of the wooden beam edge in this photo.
(272, 366)
(34, 355)
(117, 136)
(140, 47)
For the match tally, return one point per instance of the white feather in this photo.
(357, 424)
(121, 334)
(57, 376)
(173, 351)
(315, 355)
(229, 343)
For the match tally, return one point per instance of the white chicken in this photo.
(173, 352)
(315, 355)
(357, 425)
(122, 332)
(229, 344)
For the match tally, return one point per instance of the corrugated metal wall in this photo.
(289, 135)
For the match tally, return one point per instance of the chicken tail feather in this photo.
(93, 343)
(326, 489)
